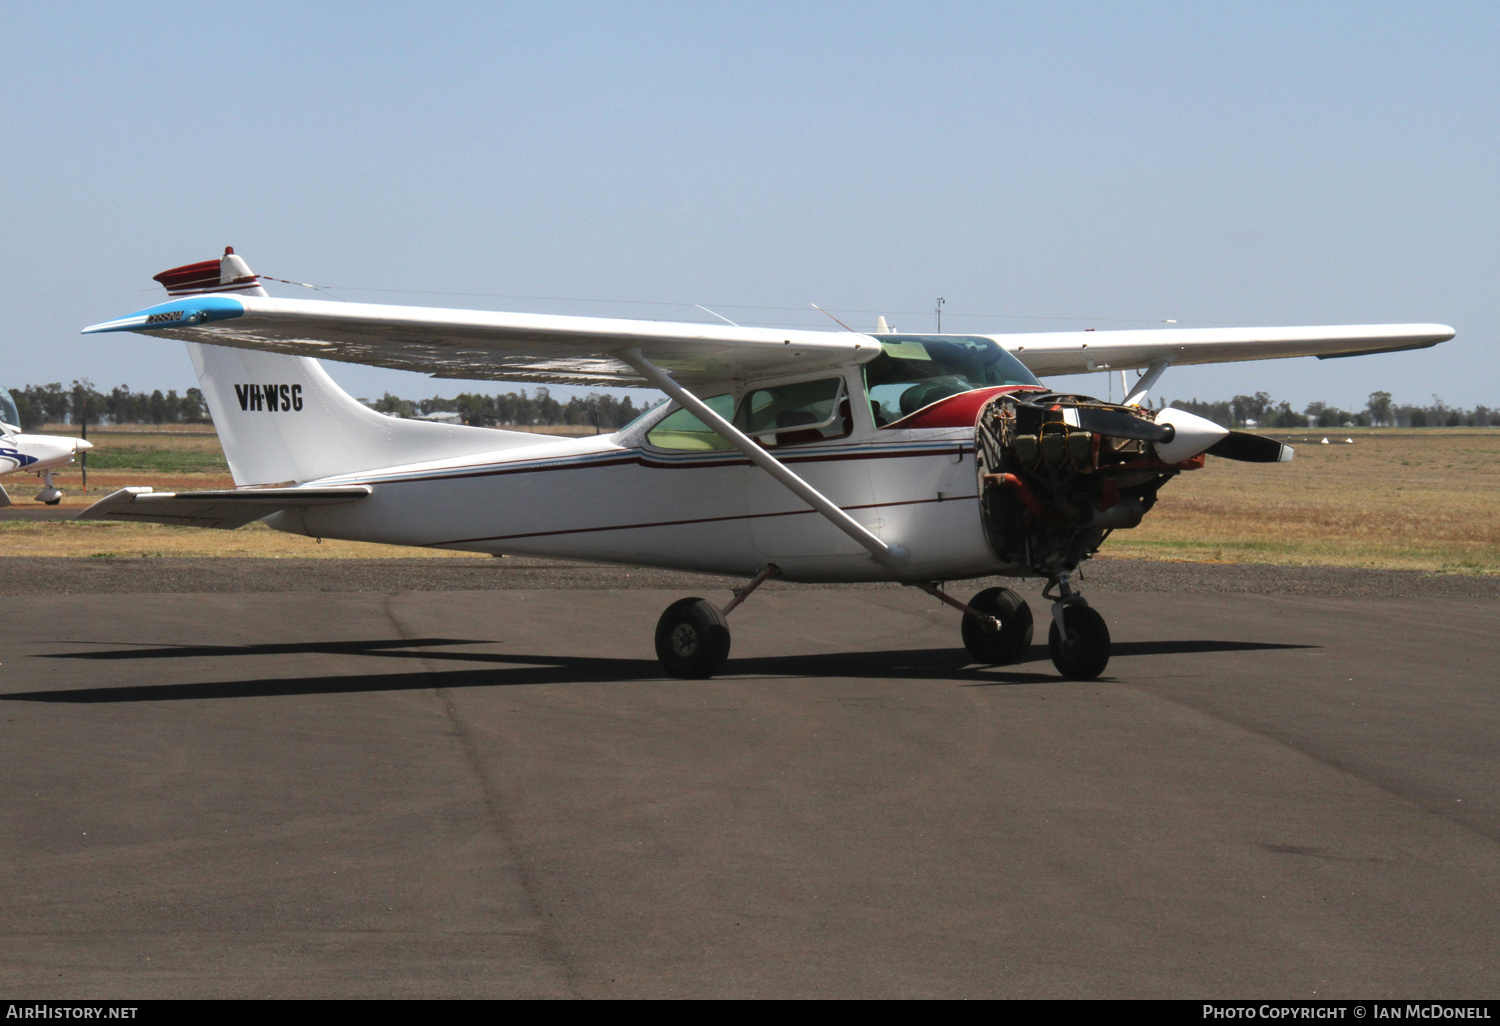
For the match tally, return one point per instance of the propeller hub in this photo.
(1191, 435)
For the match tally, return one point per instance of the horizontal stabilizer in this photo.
(222, 509)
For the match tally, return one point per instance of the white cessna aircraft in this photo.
(805, 455)
(37, 454)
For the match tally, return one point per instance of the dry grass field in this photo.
(1424, 499)
(168, 458)
(1417, 499)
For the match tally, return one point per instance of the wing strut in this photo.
(887, 555)
(1145, 382)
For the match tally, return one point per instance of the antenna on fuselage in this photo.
(835, 320)
(720, 316)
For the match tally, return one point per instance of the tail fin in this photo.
(282, 420)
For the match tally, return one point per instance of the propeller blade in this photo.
(1248, 448)
(1123, 425)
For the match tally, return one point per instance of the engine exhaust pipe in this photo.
(1021, 488)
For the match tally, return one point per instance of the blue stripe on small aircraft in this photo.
(184, 312)
(22, 460)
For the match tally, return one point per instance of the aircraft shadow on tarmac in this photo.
(372, 646)
(526, 669)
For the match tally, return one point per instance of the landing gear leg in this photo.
(692, 637)
(997, 623)
(49, 493)
(1078, 637)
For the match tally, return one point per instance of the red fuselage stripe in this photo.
(645, 461)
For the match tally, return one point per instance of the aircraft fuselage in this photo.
(617, 498)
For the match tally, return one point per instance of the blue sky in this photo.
(1042, 165)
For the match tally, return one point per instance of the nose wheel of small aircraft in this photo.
(49, 495)
(1079, 641)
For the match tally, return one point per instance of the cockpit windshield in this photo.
(8, 413)
(913, 371)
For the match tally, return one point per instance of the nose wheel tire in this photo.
(692, 639)
(1007, 643)
(1083, 653)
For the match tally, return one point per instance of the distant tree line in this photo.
(604, 412)
(54, 404)
(1259, 410)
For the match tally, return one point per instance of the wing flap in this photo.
(225, 510)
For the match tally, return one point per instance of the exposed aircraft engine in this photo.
(1058, 472)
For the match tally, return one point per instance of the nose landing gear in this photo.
(1078, 638)
(49, 493)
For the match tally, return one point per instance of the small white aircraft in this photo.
(38, 454)
(805, 455)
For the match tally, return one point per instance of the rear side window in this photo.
(682, 430)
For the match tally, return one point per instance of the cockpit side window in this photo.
(913, 371)
(9, 415)
(795, 414)
(681, 430)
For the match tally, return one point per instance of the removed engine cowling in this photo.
(1058, 472)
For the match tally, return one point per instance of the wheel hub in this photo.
(684, 639)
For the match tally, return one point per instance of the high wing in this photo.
(222, 509)
(1077, 352)
(478, 344)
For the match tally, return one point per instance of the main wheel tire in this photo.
(1009, 642)
(1084, 653)
(692, 639)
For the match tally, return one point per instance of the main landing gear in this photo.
(692, 636)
